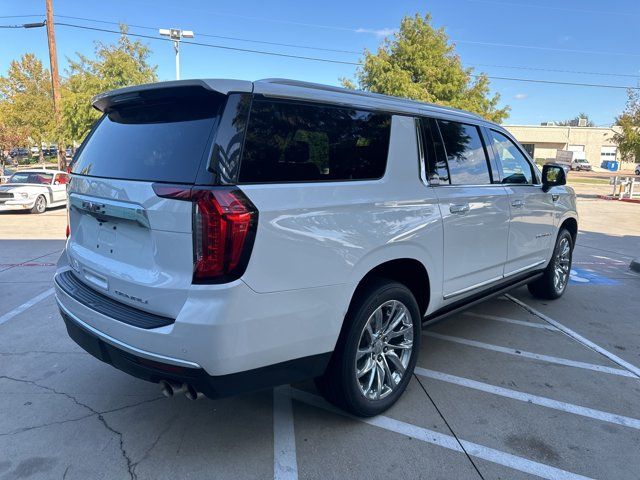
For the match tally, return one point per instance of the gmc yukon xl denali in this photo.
(226, 236)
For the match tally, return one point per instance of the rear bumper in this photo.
(123, 358)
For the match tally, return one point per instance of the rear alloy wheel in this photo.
(40, 205)
(384, 350)
(554, 281)
(377, 350)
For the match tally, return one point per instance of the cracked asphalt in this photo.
(499, 393)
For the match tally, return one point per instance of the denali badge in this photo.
(131, 297)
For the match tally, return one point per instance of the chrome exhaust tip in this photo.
(169, 389)
(191, 393)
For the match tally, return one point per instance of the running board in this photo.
(479, 297)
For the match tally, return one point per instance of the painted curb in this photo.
(635, 265)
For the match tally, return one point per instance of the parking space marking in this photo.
(531, 355)
(447, 441)
(285, 464)
(26, 305)
(524, 323)
(533, 399)
(635, 371)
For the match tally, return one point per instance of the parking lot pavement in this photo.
(515, 388)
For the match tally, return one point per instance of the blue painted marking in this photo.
(586, 276)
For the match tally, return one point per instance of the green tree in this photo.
(573, 122)
(628, 140)
(116, 65)
(419, 62)
(26, 103)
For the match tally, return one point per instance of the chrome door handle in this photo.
(459, 209)
(517, 204)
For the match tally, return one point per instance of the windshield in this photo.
(37, 178)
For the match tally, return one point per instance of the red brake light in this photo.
(224, 224)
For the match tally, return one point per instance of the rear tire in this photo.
(555, 278)
(40, 205)
(376, 352)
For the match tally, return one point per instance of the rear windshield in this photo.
(160, 142)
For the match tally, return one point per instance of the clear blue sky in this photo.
(577, 35)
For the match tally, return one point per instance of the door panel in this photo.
(476, 228)
(532, 226)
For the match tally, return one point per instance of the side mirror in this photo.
(552, 175)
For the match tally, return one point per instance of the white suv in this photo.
(228, 235)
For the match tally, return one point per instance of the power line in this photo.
(211, 45)
(547, 7)
(557, 70)
(554, 82)
(327, 60)
(145, 27)
(264, 42)
(549, 49)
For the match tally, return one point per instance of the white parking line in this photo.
(532, 356)
(447, 441)
(26, 305)
(533, 399)
(579, 338)
(524, 323)
(285, 464)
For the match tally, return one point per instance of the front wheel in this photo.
(376, 352)
(555, 278)
(40, 205)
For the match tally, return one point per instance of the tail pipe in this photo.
(169, 389)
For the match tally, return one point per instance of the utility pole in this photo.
(55, 81)
(176, 35)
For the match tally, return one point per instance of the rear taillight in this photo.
(224, 226)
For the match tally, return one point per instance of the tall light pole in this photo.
(176, 35)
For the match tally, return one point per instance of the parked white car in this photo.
(227, 236)
(34, 190)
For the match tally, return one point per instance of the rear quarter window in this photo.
(159, 142)
(295, 142)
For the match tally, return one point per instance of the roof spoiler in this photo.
(107, 101)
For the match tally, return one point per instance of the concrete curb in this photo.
(635, 265)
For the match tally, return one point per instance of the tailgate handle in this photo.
(103, 208)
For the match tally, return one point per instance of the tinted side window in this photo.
(466, 155)
(433, 151)
(515, 167)
(292, 142)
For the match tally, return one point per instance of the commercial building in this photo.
(542, 141)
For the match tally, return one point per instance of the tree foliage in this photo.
(628, 140)
(115, 65)
(573, 122)
(420, 62)
(26, 103)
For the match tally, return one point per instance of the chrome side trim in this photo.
(520, 270)
(492, 280)
(472, 287)
(124, 346)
